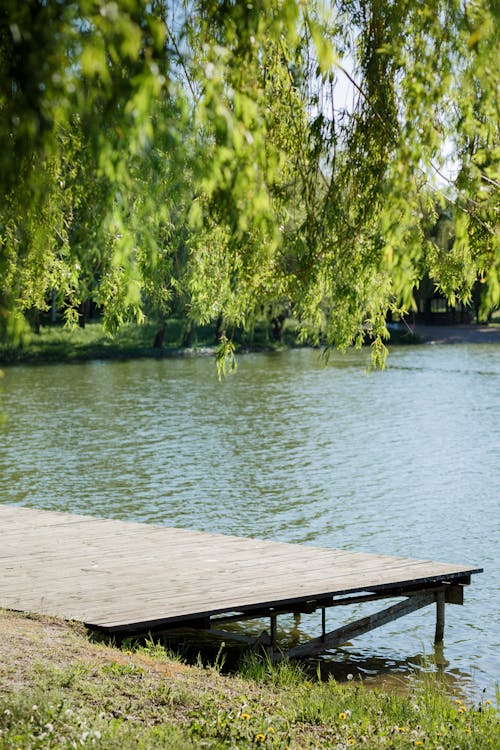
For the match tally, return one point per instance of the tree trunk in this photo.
(159, 338)
(218, 329)
(277, 327)
(82, 313)
(188, 335)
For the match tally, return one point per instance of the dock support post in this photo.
(273, 631)
(440, 600)
(323, 624)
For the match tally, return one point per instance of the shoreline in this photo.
(59, 688)
(457, 334)
(58, 346)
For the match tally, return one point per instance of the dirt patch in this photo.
(28, 641)
(34, 645)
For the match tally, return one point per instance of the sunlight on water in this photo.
(403, 462)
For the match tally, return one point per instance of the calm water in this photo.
(403, 462)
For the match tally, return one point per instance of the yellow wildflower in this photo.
(245, 717)
(402, 729)
(462, 709)
(260, 737)
(419, 742)
(351, 741)
(342, 715)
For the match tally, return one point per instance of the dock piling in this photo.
(440, 602)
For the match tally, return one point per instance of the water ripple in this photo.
(403, 462)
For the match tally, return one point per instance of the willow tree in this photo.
(126, 125)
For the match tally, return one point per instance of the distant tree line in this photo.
(201, 157)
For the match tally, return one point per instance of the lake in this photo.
(402, 462)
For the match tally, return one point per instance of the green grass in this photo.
(147, 698)
(117, 706)
(57, 343)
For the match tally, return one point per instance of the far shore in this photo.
(57, 344)
(457, 334)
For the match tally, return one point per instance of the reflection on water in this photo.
(403, 462)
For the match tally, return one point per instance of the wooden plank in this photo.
(117, 574)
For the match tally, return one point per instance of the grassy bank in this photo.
(59, 690)
(56, 343)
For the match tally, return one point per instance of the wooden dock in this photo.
(127, 577)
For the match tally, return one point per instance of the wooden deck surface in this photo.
(115, 574)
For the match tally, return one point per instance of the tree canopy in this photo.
(241, 155)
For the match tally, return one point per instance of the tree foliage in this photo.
(241, 155)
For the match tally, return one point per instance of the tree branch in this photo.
(181, 62)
